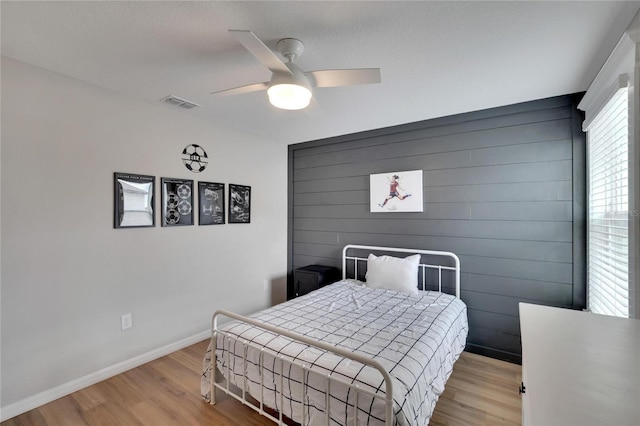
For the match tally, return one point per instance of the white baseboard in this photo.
(49, 395)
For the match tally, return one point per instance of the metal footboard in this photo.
(283, 363)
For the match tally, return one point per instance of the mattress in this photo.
(417, 338)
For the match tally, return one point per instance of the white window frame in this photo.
(607, 178)
(621, 69)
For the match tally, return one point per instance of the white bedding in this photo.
(417, 338)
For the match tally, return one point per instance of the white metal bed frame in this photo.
(260, 408)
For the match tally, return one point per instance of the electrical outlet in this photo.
(126, 321)
(265, 284)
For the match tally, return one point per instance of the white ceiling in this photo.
(437, 58)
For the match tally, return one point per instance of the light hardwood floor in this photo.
(481, 391)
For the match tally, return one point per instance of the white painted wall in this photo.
(67, 275)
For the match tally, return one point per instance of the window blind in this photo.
(608, 215)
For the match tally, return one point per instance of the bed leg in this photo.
(212, 371)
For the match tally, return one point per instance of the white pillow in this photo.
(393, 273)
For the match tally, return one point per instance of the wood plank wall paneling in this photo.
(503, 188)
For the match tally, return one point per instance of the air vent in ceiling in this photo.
(176, 101)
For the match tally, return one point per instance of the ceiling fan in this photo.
(290, 87)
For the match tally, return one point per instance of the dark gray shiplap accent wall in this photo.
(503, 189)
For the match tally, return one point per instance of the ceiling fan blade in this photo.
(243, 89)
(260, 50)
(335, 78)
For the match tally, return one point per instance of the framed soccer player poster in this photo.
(177, 202)
(396, 192)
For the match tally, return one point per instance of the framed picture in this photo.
(239, 203)
(133, 200)
(396, 192)
(211, 203)
(177, 202)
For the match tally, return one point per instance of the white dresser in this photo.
(579, 368)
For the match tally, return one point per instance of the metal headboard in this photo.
(423, 266)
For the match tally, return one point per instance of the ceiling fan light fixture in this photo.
(290, 87)
(290, 91)
(289, 96)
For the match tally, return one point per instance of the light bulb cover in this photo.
(290, 91)
(289, 96)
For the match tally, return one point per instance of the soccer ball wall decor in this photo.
(194, 158)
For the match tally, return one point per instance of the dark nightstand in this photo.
(312, 277)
